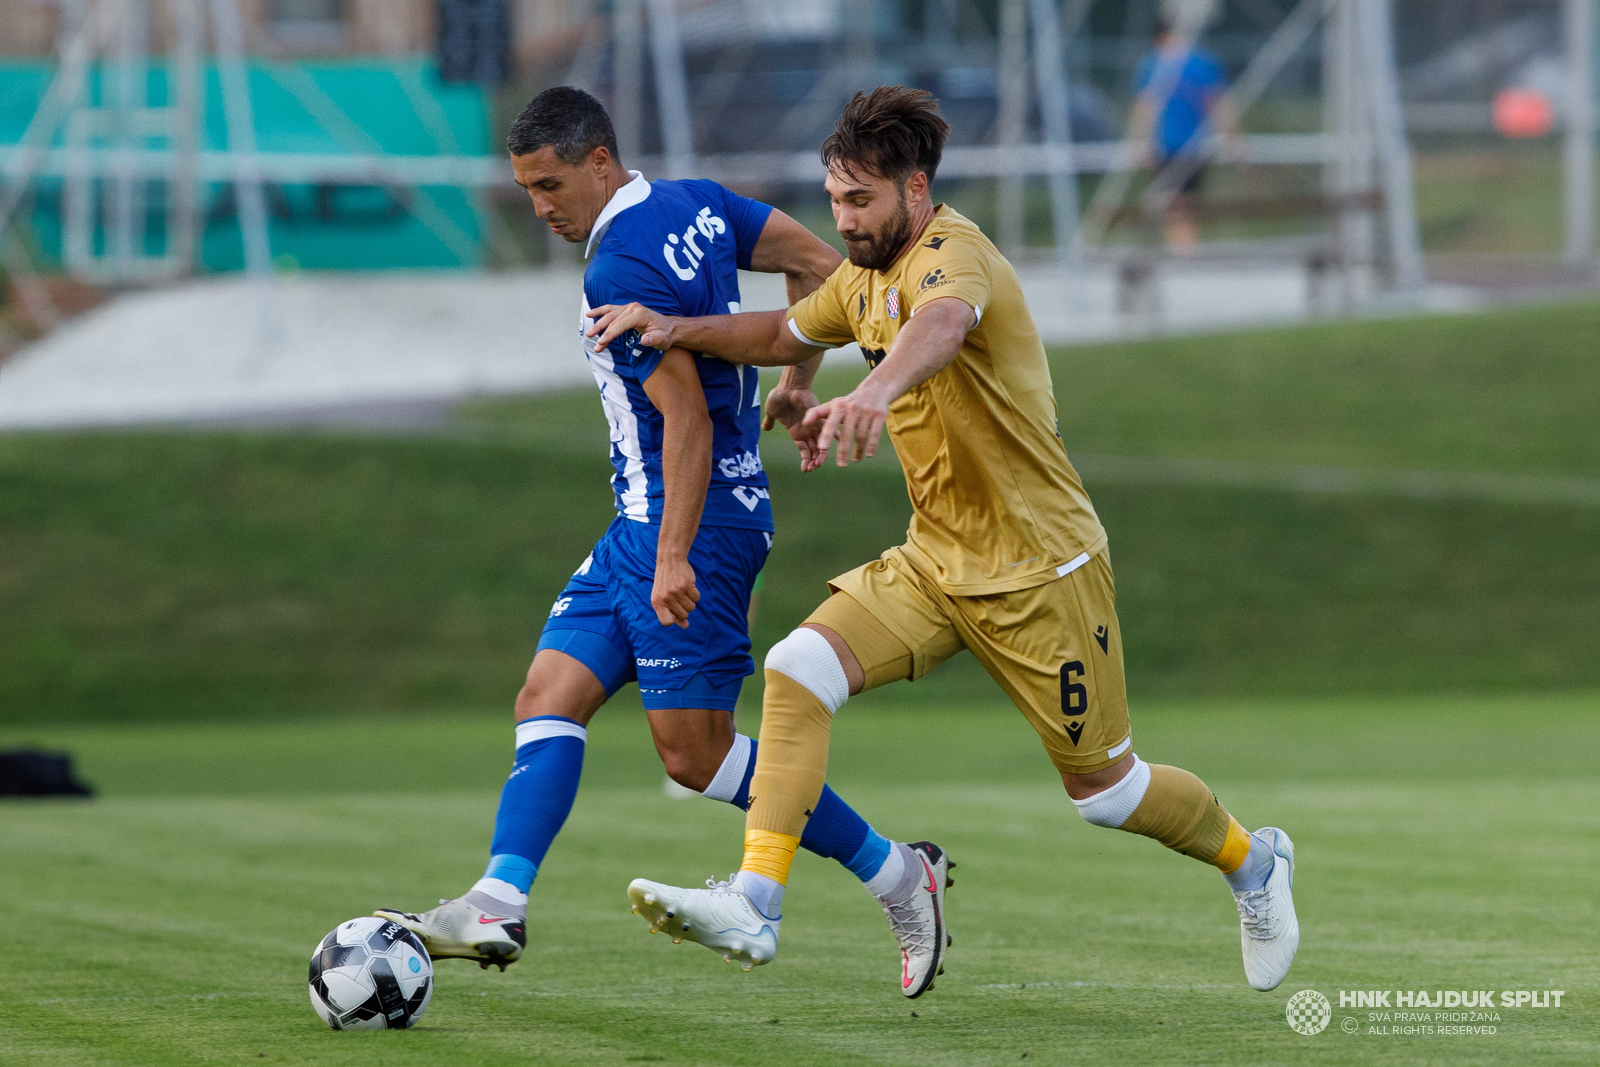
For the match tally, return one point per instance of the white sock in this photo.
(886, 882)
(729, 776)
(765, 893)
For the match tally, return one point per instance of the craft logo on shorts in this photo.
(1308, 1012)
(893, 302)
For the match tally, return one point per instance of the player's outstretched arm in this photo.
(925, 346)
(674, 388)
(788, 248)
(757, 338)
(788, 402)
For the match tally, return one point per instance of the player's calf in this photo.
(488, 923)
(1175, 808)
(805, 673)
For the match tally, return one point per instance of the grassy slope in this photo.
(168, 922)
(192, 575)
(1513, 391)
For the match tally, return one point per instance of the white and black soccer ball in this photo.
(371, 974)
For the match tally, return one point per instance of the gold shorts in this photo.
(1054, 648)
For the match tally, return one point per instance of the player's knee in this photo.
(528, 700)
(808, 658)
(688, 769)
(1112, 806)
(540, 699)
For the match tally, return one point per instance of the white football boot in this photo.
(457, 930)
(1268, 930)
(719, 917)
(918, 921)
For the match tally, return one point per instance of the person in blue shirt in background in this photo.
(1182, 98)
(663, 598)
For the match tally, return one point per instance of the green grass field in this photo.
(1442, 844)
(287, 660)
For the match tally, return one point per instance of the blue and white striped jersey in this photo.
(676, 247)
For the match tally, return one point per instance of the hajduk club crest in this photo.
(893, 302)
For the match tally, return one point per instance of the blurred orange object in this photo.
(1523, 113)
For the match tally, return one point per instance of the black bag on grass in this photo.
(28, 773)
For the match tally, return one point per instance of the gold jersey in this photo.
(996, 504)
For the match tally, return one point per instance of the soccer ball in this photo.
(371, 974)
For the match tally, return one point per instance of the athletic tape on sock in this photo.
(769, 854)
(725, 786)
(1111, 807)
(1235, 848)
(529, 730)
(808, 658)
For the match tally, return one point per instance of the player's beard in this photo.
(878, 251)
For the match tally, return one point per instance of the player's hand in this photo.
(674, 594)
(612, 321)
(854, 421)
(789, 406)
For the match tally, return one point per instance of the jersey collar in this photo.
(940, 211)
(630, 195)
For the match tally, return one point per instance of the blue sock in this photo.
(533, 805)
(834, 829)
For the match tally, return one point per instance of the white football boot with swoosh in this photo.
(719, 917)
(918, 921)
(1269, 932)
(457, 930)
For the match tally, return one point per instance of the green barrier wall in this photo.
(366, 105)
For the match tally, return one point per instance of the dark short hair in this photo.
(568, 119)
(891, 132)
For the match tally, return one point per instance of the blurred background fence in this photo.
(369, 159)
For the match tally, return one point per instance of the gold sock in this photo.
(792, 759)
(769, 854)
(1181, 813)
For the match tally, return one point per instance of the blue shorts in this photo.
(604, 620)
